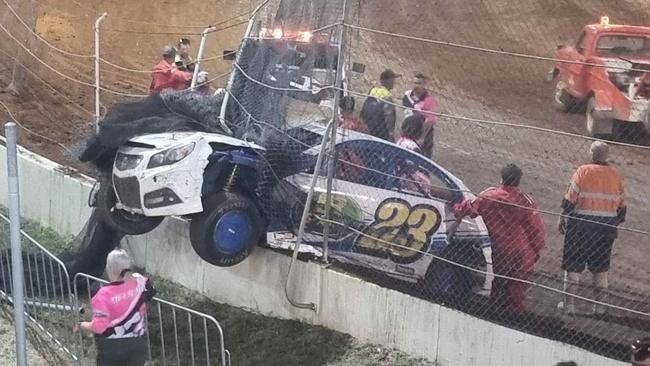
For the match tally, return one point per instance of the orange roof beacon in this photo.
(607, 74)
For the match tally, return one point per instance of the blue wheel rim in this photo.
(232, 233)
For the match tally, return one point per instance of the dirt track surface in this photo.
(513, 90)
(467, 83)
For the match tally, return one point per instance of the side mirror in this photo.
(358, 68)
(229, 55)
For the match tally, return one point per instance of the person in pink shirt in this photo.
(419, 101)
(119, 314)
(166, 76)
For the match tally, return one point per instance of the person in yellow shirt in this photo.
(378, 111)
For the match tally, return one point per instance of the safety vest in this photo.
(381, 93)
(596, 190)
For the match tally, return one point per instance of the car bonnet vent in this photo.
(139, 144)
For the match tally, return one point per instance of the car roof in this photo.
(618, 28)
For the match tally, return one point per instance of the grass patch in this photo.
(47, 237)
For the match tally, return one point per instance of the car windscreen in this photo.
(623, 46)
(301, 139)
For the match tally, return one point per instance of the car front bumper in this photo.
(167, 190)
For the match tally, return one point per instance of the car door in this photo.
(575, 77)
(392, 204)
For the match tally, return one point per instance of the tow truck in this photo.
(605, 74)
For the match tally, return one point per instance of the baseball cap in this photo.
(389, 74)
(168, 51)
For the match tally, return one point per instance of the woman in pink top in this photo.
(119, 314)
(420, 101)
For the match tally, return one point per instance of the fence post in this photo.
(199, 55)
(331, 163)
(97, 86)
(305, 216)
(16, 247)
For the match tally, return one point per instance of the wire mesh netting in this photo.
(392, 215)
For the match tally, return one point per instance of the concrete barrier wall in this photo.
(57, 198)
(51, 194)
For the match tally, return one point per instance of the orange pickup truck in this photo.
(606, 73)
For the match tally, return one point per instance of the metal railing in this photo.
(187, 331)
(49, 305)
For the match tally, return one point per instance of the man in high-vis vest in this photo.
(592, 209)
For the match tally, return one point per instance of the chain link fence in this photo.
(389, 216)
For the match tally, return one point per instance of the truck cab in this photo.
(605, 73)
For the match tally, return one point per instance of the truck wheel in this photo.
(227, 230)
(598, 127)
(562, 100)
(646, 124)
(120, 220)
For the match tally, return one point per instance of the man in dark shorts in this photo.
(592, 209)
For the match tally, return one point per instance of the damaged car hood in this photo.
(169, 139)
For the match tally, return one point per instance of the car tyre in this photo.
(120, 220)
(646, 124)
(440, 281)
(562, 100)
(598, 127)
(227, 230)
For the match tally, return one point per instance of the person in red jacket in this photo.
(517, 234)
(165, 76)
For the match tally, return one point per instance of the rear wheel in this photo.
(227, 230)
(447, 282)
(123, 221)
(646, 124)
(562, 100)
(598, 127)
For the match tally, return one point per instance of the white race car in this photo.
(382, 195)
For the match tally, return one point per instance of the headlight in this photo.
(126, 161)
(170, 156)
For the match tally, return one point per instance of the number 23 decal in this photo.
(404, 231)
